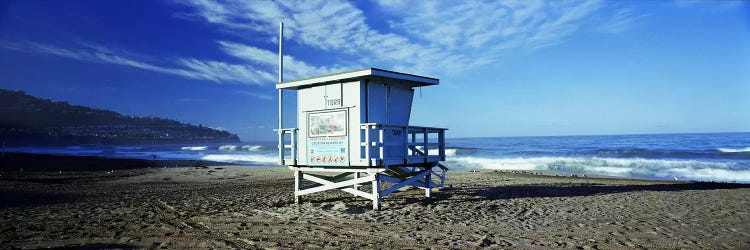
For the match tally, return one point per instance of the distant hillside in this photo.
(27, 120)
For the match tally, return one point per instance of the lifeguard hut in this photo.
(354, 126)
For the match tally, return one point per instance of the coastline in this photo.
(52, 162)
(225, 206)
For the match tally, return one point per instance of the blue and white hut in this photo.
(354, 126)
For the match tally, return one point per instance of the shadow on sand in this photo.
(471, 194)
(12, 198)
(96, 246)
(573, 190)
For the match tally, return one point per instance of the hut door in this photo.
(327, 138)
(377, 103)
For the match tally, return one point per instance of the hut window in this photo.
(327, 123)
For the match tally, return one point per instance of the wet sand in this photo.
(197, 206)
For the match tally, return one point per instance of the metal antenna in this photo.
(281, 69)
(281, 59)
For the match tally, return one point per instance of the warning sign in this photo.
(327, 151)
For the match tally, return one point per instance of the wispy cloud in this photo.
(226, 72)
(293, 68)
(476, 33)
(192, 68)
(622, 20)
(424, 36)
(478, 24)
(38, 48)
(258, 95)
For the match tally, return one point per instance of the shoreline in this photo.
(53, 162)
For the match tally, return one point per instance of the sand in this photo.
(252, 207)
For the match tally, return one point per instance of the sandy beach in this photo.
(143, 204)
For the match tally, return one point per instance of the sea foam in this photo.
(434, 151)
(237, 148)
(734, 150)
(265, 159)
(631, 167)
(195, 148)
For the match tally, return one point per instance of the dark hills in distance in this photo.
(30, 121)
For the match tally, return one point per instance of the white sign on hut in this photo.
(356, 124)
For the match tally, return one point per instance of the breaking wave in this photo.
(451, 151)
(636, 167)
(195, 148)
(238, 148)
(448, 151)
(264, 159)
(718, 153)
(734, 150)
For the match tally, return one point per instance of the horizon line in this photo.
(677, 133)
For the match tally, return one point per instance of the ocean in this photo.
(721, 157)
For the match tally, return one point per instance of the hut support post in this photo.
(427, 184)
(356, 175)
(297, 180)
(376, 193)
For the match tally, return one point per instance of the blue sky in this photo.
(507, 68)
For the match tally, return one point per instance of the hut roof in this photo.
(368, 73)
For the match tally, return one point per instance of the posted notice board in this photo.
(327, 140)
